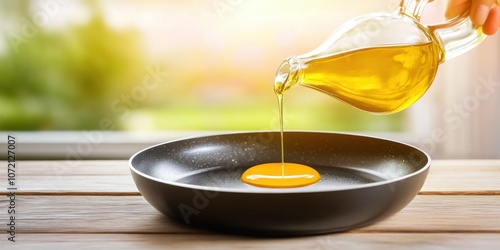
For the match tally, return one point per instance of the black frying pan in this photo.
(197, 182)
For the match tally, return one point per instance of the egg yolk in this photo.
(280, 175)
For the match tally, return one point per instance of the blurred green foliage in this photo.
(65, 80)
(258, 117)
(82, 76)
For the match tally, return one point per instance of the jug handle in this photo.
(456, 36)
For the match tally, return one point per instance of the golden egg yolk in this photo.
(280, 175)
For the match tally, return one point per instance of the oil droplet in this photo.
(279, 175)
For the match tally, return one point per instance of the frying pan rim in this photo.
(301, 190)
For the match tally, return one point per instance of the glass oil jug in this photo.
(382, 62)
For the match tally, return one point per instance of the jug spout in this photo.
(289, 74)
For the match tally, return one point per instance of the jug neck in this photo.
(290, 73)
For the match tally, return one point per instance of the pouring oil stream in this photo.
(272, 175)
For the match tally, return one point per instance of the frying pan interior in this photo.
(196, 181)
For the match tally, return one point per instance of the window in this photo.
(124, 70)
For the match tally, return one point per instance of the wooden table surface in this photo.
(95, 204)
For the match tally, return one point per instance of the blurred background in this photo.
(128, 67)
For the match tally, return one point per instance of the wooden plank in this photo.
(132, 214)
(217, 241)
(463, 176)
(73, 168)
(444, 213)
(113, 177)
(76, 185)
(73, 177)
(90, 214)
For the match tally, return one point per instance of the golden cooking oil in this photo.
(384, 79)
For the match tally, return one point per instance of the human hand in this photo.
(485, 13)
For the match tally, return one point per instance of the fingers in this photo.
(485, 13)
(492, 22)
(480, 10)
